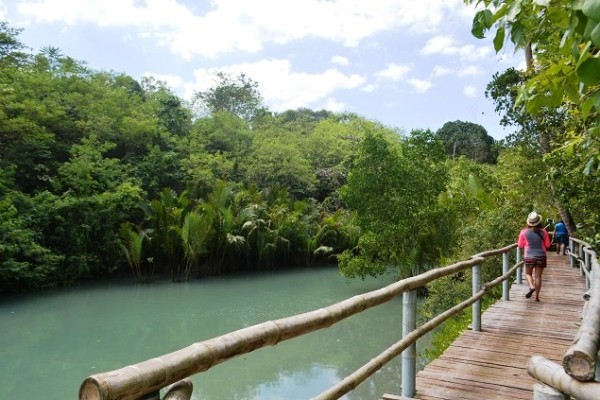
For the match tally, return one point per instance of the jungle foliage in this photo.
(101, 174)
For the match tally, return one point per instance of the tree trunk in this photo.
(528, 56)
(564, 213)
(567, 218)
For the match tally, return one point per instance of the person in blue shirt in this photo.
(561, 237)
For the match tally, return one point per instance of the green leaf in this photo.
(534, 104)
(595, 35)
(589, 27)
(571, 87)
(481, 23)
(591, 164)
(596, 98)
(586, 107)
(577, 4)
(518, 34)
(583, 54)
(589, 71)
(499, 39)
(500, 12)
(580, 22)
(591, 8)
(515, 9)
(556, 97)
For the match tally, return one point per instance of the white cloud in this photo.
(470, 91)
(394, 72)
(420, 85)
(281, 87)
(232, 25)
(370, 88)
(334, 105)
(471, 70)
(438, 45)
(446, 45)
(439, 71)
(340, 60)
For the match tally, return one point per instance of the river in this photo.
(50, 342)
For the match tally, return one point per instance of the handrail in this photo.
(576, 376)
(148, 377)
(351, 381)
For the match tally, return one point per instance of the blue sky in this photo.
(409, 64)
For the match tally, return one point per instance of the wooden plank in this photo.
(492, 364)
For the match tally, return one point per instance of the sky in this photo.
(408, 64)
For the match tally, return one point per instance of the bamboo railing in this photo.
(145, 379)
(577, 376)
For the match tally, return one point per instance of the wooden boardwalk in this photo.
(491, 364)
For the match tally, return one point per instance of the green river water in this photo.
(50, 342)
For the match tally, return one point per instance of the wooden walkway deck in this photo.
(491, 364)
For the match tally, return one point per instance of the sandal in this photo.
(528, 295)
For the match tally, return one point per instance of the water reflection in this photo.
(51, 342)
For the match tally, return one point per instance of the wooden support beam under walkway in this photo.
(491, 364)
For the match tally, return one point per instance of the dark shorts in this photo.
(535, 262)
(561, 239)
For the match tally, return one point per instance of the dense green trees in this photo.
(100, 173)
(467, 139)
(394, 193)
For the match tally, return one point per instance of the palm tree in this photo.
(166, 216)
(131, 246)
(225, 239)
(195, 233)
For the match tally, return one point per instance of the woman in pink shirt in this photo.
(535, 240)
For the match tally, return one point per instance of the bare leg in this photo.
(529, 276)
(538, 281)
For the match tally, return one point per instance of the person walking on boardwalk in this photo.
(535, 240)
(561, 237)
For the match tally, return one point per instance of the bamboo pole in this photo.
(580, 359)
(181, 390)
(545, 392)
(352, 381)
(555, 376)
(133, 381)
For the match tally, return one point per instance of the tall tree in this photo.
(395, 200)
(11, 53)
(468, 139)
(238, 96)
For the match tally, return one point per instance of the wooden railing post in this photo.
(572, 253)
(581, 271)
(505, 284)
(588, 267)
(476, 323)
(409, 355)
(520, 269)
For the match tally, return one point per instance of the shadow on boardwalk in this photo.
(492, 364)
